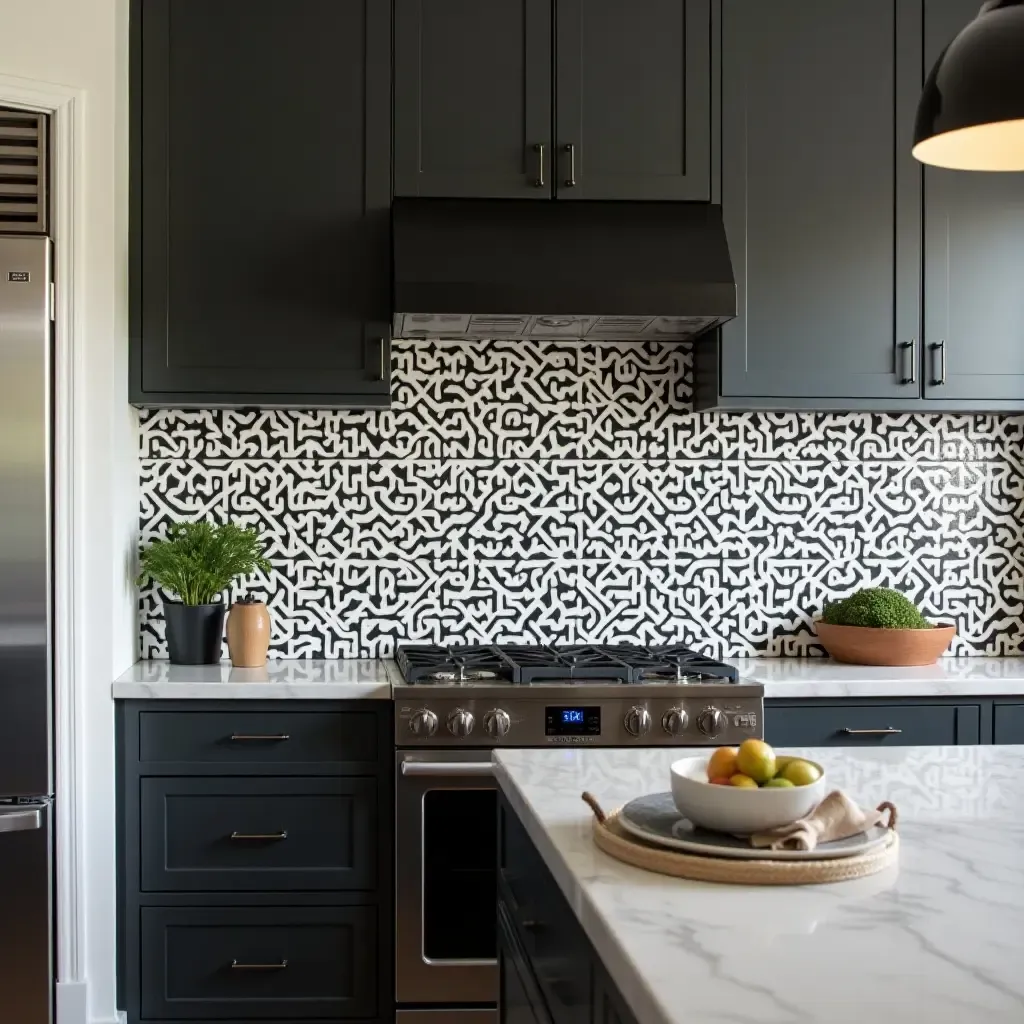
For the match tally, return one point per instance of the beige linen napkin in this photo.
(836, 817)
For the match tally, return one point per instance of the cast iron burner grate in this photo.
(561, 663)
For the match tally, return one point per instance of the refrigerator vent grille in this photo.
(22, 171)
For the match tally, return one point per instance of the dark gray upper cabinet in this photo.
(473, 98)
(261, 189)
(631, 117)
(633, 99)
(821, 198)
(974, 262)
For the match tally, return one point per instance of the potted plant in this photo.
(198, 562)
(878, 626)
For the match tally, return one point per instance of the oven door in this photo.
(446, 878)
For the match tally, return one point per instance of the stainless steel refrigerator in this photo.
(26, 655)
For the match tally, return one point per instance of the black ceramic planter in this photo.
(194, 632)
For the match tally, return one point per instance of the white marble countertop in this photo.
(350, 679)
(796, 678)
(810, 678)
(939, 939)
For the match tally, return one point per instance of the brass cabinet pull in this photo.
(888, 731)
(236, 966)
(570, 148)
(266, 836)
(243, 737)
(538, 148)
(912, 346)
(940, 347)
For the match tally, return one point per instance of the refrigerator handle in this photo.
(27, 820)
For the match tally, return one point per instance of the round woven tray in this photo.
(614, 840)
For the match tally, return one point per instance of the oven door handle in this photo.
(449, 769)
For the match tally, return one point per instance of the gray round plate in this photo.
(655, 819)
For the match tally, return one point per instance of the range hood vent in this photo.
(22, 171)
(483, 268)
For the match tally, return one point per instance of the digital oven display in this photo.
(561, 721)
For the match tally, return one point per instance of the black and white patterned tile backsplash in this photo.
(566, 492)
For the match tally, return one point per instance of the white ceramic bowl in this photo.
(732, 809)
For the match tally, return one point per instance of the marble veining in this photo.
(825, 678)
(939, 939)
(352, 679)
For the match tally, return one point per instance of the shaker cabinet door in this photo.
(473, 98)
(633, 99)
(261, 166)
(821, 198)
(974, 262)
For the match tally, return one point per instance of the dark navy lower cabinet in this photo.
(1008, 723)
(854, 723)
(255, 861)
(549, 972)
(262, 833)
(259, 962)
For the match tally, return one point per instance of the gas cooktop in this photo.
(564, 664)
(493, 695)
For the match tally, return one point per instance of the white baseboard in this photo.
(72, 1003)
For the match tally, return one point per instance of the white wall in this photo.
(82, 44)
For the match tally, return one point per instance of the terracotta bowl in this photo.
(862, 645)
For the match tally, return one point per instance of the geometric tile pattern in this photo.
(567, 492)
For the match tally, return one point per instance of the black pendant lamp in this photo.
(971, 115)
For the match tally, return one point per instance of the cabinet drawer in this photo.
(258, 737)
(850, 725)
(255, 963)
(319, 834)
(1008, 723)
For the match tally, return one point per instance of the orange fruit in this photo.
(756, 759)
(742, 781)
(720, 782)
(722, 764)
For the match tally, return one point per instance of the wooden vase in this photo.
(248, 634)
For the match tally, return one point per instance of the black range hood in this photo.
(492, 268)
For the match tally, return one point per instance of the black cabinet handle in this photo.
(236, 966)
(910, 346)
(378, 370)
(940, 348)
(570, 148)
(244, 737)
(260, 836)
(538, 182)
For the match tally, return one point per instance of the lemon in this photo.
(756, 759)
(743, 781)
(722, 764)
(801, 773)
(778, 783)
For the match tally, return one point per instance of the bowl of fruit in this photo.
(746, 789)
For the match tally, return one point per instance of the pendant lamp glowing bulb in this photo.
(971, 114)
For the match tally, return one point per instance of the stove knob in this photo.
(497, 724)
(711, 721)
(638, 721)
(675, 721)
(423, 723)
(460, 722)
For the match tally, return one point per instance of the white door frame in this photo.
(66, 108)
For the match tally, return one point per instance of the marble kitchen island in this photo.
(940, 939)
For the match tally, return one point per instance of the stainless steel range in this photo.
(458, 703)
